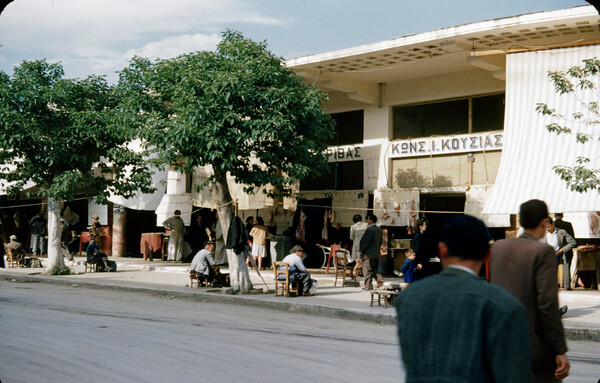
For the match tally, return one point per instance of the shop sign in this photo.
(344, 153)
(463, 143)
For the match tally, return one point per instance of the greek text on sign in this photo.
(344, 153)
(463, 143)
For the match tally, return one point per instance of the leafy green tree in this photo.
(67, 137)
(239, 109)
(582, 125)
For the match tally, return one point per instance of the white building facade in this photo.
(425, 120)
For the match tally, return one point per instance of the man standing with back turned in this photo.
(454, 327)
(370, 251)
(527, 269)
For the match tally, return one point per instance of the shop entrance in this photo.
(437, 208)
(314, 210)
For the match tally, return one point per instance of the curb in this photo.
(246, 300)
(571, 333)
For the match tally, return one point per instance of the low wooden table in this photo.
(387, 292)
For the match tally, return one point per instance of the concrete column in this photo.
(118, 231)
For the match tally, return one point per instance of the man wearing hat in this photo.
(297, 269)
(95, 255)
(96, 228)
(17, 249)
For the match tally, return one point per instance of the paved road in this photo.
(61, 334)
(70, 334)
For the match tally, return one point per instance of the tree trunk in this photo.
(55, 255)
(238, 272)
(118, 231)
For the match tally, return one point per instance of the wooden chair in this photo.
(341, 267)
(282, 280)
(11, 261)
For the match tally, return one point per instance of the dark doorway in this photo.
(138, 222)
(315, 212)
(437, 208)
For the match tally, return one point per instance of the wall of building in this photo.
(379, 172)
(442, 87)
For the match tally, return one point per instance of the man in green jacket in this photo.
(454, 327)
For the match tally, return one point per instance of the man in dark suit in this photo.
(560, 224)
(526, 268)
(563, 245)
(481, 328)
(370, 251)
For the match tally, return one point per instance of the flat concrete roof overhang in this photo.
(357, 71)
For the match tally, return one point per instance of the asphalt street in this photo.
(56, 333)
(70, 334)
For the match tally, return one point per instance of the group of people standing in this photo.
(366, 240)
(509, 330)
(21, 235)
(24, 236)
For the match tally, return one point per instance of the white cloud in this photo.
(176, 45)
(168, 47)
(100, 36)
(118, 20)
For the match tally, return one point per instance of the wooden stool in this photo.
(385, 294)
(198, 280)
(91, 267)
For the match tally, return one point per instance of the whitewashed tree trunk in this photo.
(55, 255)
(238, 271)
(118, 231)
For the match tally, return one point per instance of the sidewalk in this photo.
(582, 321)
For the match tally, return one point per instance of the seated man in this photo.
(297, 270)
(95, 255)
(18, 252)
(204, 266)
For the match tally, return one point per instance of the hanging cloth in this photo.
(301, 229)
(236, 236)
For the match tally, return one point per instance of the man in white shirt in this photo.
(297, 269)
(563, 244)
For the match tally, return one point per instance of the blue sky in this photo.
(100, 36)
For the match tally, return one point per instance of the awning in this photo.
(255, 201)
(143, 201)
(530, 151)
(171, 202)
(475, 199)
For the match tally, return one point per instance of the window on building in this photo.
(449, 117)
(488, 113)
(341, 176)
(349, 128)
